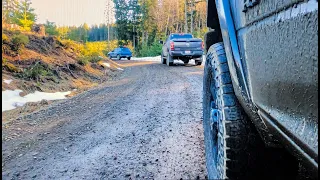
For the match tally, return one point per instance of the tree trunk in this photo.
(186, 17)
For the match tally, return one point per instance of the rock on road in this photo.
(146, 124)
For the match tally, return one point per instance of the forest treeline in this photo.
(144, 22)
(138, 23)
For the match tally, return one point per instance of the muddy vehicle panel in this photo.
(271, 49)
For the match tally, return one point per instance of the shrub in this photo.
(101, 48)
(153, 50)
(95, 58)
(84, 60)
(10, 67)
(36, 71)
(5, 38)
(16, 32)
(72, 45)
(68, 44)
(19, 41)
(94, 48)
(4, 61)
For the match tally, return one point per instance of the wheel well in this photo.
(214, 35)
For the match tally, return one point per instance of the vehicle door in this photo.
(116, 52)
(278, 43)
(112, 53)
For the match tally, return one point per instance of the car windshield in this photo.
(177, 36)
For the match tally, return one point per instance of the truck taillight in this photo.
(202, 45)
(171, 46)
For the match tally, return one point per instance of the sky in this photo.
(70, 12)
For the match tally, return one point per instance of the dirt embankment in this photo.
(45, 63)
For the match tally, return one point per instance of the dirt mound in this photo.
(31, 62)
(45, 63)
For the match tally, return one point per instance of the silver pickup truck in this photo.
(183, 47)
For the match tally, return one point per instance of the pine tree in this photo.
(122, 19)
(25, 15)
(51, 28)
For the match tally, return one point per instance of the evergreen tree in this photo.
(51, 28)
(24, 16)
(122, 18)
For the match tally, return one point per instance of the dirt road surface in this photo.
(147, 124)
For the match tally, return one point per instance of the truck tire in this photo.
(198, 61)
(234, 149)
(228, 132)
(163, 60)
(169, 58)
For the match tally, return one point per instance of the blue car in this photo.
(121, 52)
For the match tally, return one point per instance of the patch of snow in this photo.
(8, 81)
(120, 69)
(12, 99)
(156, 58)
(106, 64)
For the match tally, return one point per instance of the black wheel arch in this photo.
(214, 34)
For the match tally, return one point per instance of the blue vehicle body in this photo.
(121, 52)
(273, 69)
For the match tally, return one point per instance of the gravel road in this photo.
(146, 124)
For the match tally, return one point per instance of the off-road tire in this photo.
(233, 134)
(128, 58)
(169, 58)
(163, 60)
(240, 152)
(186, 62)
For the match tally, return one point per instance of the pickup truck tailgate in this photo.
(187, 44)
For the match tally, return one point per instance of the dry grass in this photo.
(90, 70)
(83, 84)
